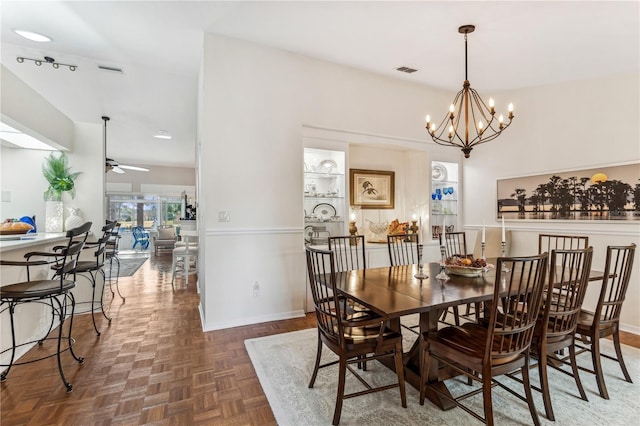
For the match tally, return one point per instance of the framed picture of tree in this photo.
(372, 189)
(608, 193)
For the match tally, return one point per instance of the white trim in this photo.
(632, 231)
(253, 320)
(253, 231)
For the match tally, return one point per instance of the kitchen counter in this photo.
(22, 241)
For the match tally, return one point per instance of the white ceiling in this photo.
(158, 44)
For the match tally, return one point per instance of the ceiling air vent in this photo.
(110, 69)
(406, 69)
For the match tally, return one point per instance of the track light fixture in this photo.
(48, 60)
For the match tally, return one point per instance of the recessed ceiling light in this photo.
(30, 35)
(162, 134)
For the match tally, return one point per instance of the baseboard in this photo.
(252, 320)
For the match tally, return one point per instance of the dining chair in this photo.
(605, 320)
(403, 249)
(484, 352)
(349, 252)
(91, 269)
(54, 292)
(549, 242)
(455, 244)
(556, 325)
(351, 340)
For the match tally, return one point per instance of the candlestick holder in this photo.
(442, 275)
(353, 230)
(484, 247)
(421, 274)
(414, 227)
(503, 246)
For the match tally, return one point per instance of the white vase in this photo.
(74, 220)
(53, 216)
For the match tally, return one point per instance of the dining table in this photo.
(395, 292)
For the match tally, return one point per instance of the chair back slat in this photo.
(550, 242)
(322, 279)
(70, 254)
(403, 249)
(455, 244)
(617, 274)
(349, 253)
(568, 280)
(515, 306)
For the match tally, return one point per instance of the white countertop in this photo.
(15, 242)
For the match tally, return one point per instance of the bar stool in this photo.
(55, 293)
(185, 258)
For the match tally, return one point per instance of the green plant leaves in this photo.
(57, 172)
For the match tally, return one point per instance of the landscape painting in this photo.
(610, 193)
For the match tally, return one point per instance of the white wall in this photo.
(570, 126)
(256, 101)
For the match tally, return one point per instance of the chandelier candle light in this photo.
(479, 118)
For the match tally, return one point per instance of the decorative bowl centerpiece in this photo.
(380, 230)
(466, 266)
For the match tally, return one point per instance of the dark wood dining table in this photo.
(395, 292)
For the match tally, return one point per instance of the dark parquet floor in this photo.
(153, 365)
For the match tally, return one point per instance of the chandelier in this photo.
(479, 124)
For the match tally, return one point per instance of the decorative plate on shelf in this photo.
(326, 166)
(308, 234)
(324, 211)
(439, 172)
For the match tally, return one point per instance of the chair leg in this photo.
(317, 366)
(104, 280)
(574, 367)
(544, 383)
(93, 298)
(12, 307)
(597, 366)
(424, 373)
(528, 393)
(616, 344)
(400, 372)
(341, 379)
(486, 396)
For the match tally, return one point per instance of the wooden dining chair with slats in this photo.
(484, 351)
(403, 249)
(349, 252)
(455, 244)
(556, 325)
(351, 340)
(549, 242)
(605, 320)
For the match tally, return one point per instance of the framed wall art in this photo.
(372, 189)
(608, 193)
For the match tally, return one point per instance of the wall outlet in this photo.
(256, 289)
(224, 216)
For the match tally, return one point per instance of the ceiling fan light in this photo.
(30, 35)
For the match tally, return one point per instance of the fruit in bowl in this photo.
(467, 266)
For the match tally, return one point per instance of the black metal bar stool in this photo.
(54, 292)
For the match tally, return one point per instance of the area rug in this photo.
(128, 266)
(284, 363)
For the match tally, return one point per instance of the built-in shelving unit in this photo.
(444, 197)
(324, 194)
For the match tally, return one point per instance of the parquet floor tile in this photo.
(152, 365)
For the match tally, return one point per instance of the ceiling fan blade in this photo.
(139, 169)
(117, 169)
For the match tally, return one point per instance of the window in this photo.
(148, 211)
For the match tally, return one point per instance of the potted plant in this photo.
(57, 172)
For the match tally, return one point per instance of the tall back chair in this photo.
(403, 249)
(555, 330)
(549, 242)
(353, 341)
(455, 244)
(502, 346)
(605, 320)
(185, 258)
(54, 292)
(112, 254)
(91, 269)
(349, 253)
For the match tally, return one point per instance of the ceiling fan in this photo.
(111, 164)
